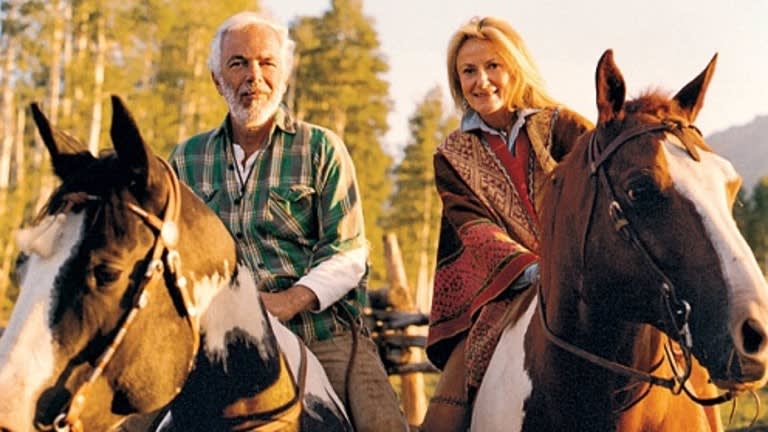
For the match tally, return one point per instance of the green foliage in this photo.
(172, 66)
(156, 61)
(156, 52)
(752, 218)
(338, 84)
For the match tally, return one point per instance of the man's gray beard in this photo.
(255, 115)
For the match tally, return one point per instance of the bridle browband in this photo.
(164, 256)
(678, 310)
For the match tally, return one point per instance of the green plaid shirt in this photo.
(300, 205)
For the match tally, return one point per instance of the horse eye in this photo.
(643, 192)
(105, 275)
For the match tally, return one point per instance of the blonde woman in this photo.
(489, 173)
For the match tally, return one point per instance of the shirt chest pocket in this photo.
(292, 212)
(211, 196)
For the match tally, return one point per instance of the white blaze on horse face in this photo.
(506, 384)
(230, 308)
(41, 239)
(27, 348)
(705, 184)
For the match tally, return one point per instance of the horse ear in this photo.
(611, 90)
(691, 97)
(68, 154)
(131, 150)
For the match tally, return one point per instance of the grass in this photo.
(745, 409)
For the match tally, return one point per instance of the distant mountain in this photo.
(746, 147)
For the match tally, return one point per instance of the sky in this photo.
(656, 43)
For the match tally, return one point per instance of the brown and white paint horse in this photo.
(639, 249)
(132, 296)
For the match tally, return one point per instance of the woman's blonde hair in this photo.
(527, 86)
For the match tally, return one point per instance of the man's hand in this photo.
(286, 304)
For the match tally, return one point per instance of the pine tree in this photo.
(337, 83)
(415, 212)
(757, 222)
(170, 69)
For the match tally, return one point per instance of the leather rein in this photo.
(166, 258)
(677, 310)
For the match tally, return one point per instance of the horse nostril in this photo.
(752, 336)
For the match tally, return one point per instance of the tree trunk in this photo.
(80, 57)
(47, 180)
(399, 293)
(145, 85)
(14, 214)
(66, 98)
(6, 150)
(54, 83)
(188, 108)
(19, 154)
(98, 84)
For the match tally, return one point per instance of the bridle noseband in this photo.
(678, 310)
(164, 257)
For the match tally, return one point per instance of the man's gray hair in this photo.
(245, 19)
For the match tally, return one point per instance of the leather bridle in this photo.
(252, 413)
(677, 309)
(164, 258)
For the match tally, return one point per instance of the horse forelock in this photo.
(651, 101)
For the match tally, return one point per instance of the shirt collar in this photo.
(285, 120)
(471, 120)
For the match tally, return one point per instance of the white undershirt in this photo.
(244, 167)
(333, 278)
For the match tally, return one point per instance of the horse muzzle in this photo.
(746, 366)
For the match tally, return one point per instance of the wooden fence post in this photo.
(412, 384)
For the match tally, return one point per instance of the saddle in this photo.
(498, 316)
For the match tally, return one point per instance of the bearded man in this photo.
(287, 191)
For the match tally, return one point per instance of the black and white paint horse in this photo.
(132, 297)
